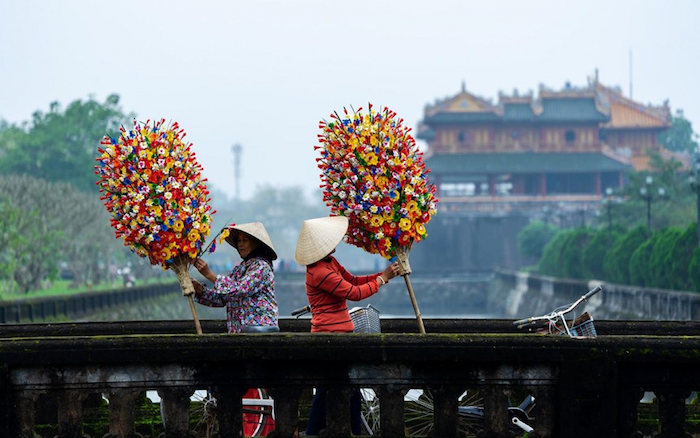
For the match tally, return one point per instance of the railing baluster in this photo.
(25, 413)
(545, 408)
(175, 410)
(628, 407)
(70, 413)
(229, 410)
(122, 411)
(338, 411)
(286, 411)
(496, 418)
(392, 410)
(672, 411)
(445, 414)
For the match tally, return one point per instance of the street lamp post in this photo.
(608, 202)
(647, 195)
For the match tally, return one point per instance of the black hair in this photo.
(263, 251)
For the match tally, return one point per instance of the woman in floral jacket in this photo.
(248, 292)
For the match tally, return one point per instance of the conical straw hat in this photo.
(319, 237)
(257, 230)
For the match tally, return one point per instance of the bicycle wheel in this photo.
(369, 403)
(419, 413)
(258, 413)
(203, 413)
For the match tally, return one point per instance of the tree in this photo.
(534, 237)
(9, 238)
(664, 250)
(593, 255)
(639, 262)
(680, 137)
(61, 145)
(51, 223)
(617, 260)
(550, 262)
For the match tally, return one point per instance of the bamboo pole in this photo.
(183, 277)
(405, 270)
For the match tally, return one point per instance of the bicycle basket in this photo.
(366, 319)
(583, 326)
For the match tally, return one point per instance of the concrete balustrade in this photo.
(583, 387)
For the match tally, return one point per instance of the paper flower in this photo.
(373, 173)
(153, 188)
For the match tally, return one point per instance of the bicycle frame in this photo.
(557, 317)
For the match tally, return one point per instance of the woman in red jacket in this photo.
(328, 287)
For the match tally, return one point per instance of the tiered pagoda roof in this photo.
(593, 103)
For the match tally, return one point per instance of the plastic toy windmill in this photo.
(373, 173)
(153, 188)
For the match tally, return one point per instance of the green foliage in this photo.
(593, 255)
(50, 223)
(678, 254)
(640, 263)
(534, 237)
(675, 208)
(572, 256)
(669, 259)
(680, 137)
(9, 237)
(551, 255)
(661, 258)
(562, 255)
(616, 265)
(61, 145)
(694, 270)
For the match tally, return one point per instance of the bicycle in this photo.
(555, 321)
(258, 413)
(419, 403)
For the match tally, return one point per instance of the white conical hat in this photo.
(319, 237)
(255, 229)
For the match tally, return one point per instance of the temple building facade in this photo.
(549, 157)
(565, 147)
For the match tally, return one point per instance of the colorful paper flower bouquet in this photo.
(152, 186)
(373, 173)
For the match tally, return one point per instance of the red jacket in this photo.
(328, 286)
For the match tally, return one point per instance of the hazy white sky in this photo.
(263, 73)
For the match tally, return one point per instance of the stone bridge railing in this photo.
(583, 387)
(525, 294)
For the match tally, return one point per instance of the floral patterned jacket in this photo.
(248, 293)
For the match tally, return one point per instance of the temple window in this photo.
(570, 136)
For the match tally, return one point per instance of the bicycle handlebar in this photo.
(592, 292)
(523, 322)
(298, 312)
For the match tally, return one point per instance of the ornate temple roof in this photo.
(626, 113)
(594, 103)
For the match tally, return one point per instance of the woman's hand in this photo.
(203, 269)
(198, 288)
(390, 272)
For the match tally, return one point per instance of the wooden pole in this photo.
(421, 328)
(197, 325)
(405, 270)
(183, 277)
